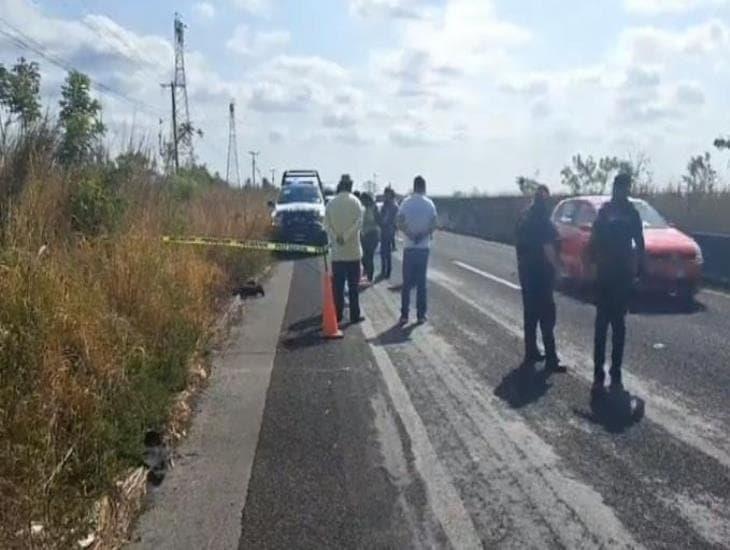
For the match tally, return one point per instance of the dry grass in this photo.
(96, 332)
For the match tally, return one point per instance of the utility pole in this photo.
(175, 157)
(232, 146)
(180, 90)
(253, 154)
(273, 176)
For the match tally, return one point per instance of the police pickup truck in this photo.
(298, 213)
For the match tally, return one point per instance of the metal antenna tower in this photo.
(232, 163)
(253, 154)
(184, 127)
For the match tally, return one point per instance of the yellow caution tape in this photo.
(248, 245)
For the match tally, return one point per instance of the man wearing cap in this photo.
(537, 265)
(343, 219)
(616, 230)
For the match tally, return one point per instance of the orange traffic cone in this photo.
(330, 327)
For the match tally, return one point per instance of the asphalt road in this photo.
(434, 437)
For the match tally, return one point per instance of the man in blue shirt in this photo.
(417, 220)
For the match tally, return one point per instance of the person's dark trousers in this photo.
(369, 244)
(612, 304)
(386, 255)
(415, 264)
(346, 272)
(538, 309)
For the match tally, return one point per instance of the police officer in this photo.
(618, 225)
(537, 262)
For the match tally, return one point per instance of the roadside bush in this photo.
(99, 321)
(95, 206)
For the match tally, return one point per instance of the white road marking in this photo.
(715, 293)
(668, 409)
(443, 496)
(522, 472)
(487, 275)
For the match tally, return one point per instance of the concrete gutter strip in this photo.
(200, 502)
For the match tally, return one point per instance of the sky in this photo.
(468, 93)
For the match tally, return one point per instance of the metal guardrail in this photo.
(716, 252)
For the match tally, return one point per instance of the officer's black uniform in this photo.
(617, 225)
(537, 278)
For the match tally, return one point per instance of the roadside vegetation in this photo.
(99, 320)
(698, 201)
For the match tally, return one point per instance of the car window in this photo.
(586, 214)
(299, 180)
(300, 193)
(650, 217)
(566, 213)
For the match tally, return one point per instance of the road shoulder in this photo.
(200, 502)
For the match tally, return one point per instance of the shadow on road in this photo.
(615, 410)
(524, 385)
(308, 323)
(649, 304)
(306, 339)
(397, 334)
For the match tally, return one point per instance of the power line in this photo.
(141, 58)
(25, 42)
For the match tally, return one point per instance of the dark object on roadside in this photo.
(615, 409)
(250, 290)
(155, 457)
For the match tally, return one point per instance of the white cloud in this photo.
(296, 84)
(351, 136)
(530, 86)
(204, 10)
(655, 46)
(398, 9)
(256, 43)
(254, 7)
(690, 93)
(412, 134)
(657, 7)
(272, 97)
(277, 135)
(340, 119)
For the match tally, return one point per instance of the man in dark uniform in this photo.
(537, 262)
(618, 225)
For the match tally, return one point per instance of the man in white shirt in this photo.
(417, 220)
(343, 220)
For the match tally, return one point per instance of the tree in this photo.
(20, 92)
(588, 176)
(80, 120)
(701, 177)
(722, 143)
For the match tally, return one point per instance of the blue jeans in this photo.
(415, 263)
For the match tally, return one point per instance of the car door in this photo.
(563, 220)
(585, 215)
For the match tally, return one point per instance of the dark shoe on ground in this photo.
(534, 357)
(599, 381)
(403, 321)
(617, 383)
(422, 320)
(553, 365)
(357, 320)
